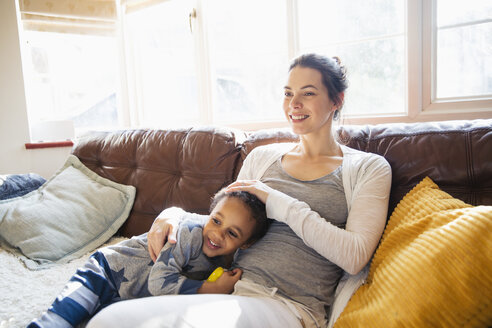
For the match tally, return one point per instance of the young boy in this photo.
(125, 270)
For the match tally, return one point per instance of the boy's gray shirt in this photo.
(179, 269)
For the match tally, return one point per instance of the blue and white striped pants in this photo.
(89, 290)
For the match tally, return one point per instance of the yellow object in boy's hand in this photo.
(216, 274)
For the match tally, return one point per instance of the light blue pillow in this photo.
(71, 214)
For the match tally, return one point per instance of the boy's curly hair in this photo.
(255, 206)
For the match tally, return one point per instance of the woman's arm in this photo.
(350, 248)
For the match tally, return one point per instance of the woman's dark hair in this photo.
(332, 71)
(255, 206)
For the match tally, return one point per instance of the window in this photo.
(457, 58)
(162, 62)
(244, 48)
(242, 51)
(369, 38)
(215, 68)
(248, 62)
(191, 62)
(72, 77)
(71, 66)
(463, 32)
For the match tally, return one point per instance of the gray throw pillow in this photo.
(71, 214)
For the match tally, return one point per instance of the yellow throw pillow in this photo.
(433, 267)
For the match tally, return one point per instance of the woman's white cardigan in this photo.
(366, 182)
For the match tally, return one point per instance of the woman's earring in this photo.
(336, 114)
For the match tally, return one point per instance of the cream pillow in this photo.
(72, 213)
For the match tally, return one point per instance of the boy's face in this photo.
(229, 227)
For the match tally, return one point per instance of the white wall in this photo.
(14, 127)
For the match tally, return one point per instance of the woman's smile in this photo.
(298, 118)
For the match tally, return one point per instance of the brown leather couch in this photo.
(185, 167)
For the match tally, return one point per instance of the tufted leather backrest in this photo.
(186, 167)
(182, 168)
(456, 155)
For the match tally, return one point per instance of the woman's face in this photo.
(307, 105)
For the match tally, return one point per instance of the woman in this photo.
(329, 203)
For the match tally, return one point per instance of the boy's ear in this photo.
(247, 245)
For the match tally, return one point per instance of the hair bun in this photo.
(343, 70)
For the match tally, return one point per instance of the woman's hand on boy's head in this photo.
(162, 230)
(255, 187)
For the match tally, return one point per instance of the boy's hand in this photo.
(223, 285)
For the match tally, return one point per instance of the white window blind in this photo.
(69, 16)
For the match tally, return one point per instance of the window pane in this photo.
(464, 55)
(376, 84)
(369, 39)
(71, 77)
(165, 71)
(249, 62)
(464, 61)
(450, 12)
(325, 22)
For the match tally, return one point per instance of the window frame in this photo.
(421, 105)
(431, 104)
(420, 49)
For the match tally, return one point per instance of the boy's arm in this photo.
(166, 277)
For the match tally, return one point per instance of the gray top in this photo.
(299, 272)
